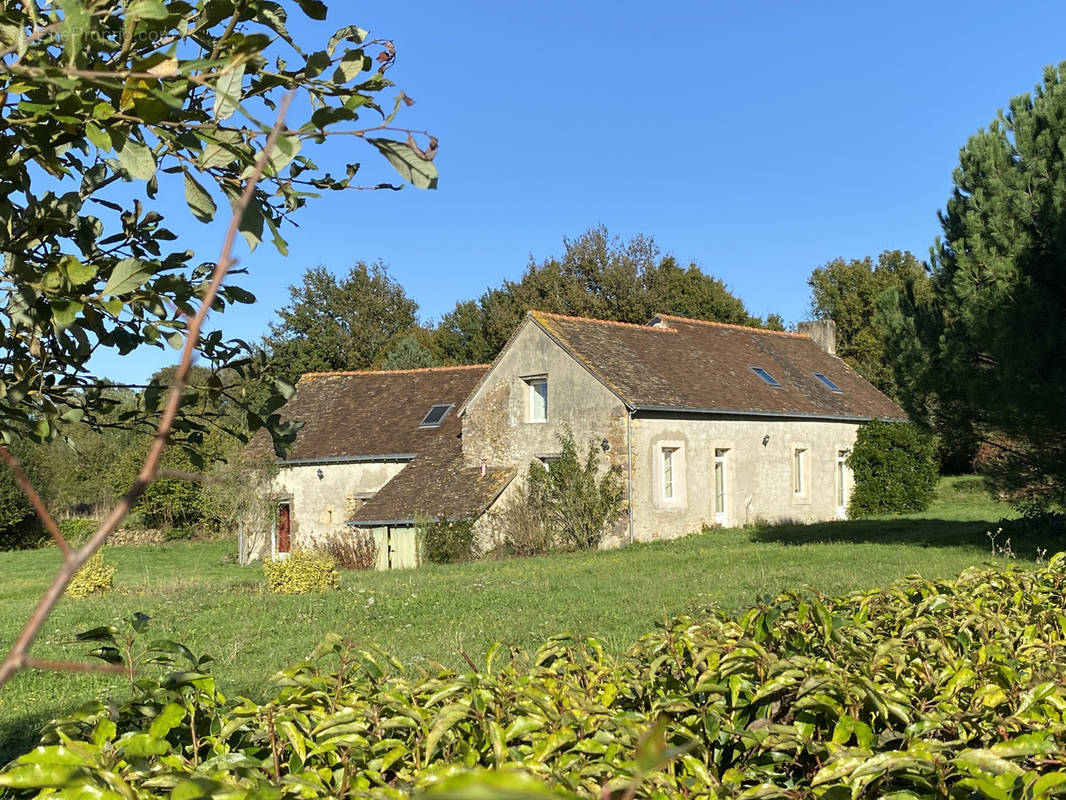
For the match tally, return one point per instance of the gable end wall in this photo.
(496, 424)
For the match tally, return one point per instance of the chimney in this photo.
(823, 332)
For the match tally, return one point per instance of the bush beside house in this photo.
(895, 468)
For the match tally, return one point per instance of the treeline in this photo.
(83, 473)
(365, 320)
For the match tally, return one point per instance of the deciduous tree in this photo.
(334, 324)
(167, 95)
(847, 292)
(597, 276)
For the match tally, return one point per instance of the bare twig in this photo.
(39, 507)
(18, 657)
(70, 666)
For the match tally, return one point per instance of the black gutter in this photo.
(728, 412)
(304, 462)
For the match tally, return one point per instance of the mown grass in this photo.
(435, 614)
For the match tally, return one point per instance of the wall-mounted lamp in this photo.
(766, 440)
(605, 445)
(320, 474)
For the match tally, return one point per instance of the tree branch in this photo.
(18, 657)
(39, 507)
(72, 666)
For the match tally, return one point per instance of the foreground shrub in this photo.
(95, 577)
(447, 541)
(355, 549)
(301, 572)
(927, 689)
(895, 468)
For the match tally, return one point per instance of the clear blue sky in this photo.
(758, 140)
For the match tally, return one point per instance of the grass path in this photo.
(435, 612)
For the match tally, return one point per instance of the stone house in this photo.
(710, 424)
(361, 430)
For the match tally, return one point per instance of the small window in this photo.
(436, 416)
(547, 461)
(767, 378)
(668, 473)
(720, 486)
(828, 383)
(842, 457)
(538, 399)
(799, 472)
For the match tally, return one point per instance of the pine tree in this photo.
(988, 348)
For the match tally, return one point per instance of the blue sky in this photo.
(758, 140)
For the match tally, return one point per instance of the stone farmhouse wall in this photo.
(317, 505)
(759, 480)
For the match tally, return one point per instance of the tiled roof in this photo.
(351, 415)
(693, 365)
(435, 484)
(363, 414)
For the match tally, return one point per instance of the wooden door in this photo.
(403, 547)
(284, 517)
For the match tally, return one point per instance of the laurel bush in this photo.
(301, 572)
(94, 578)
(896, 469)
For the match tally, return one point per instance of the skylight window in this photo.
(767, 378)
(436, 415)
(828, 383)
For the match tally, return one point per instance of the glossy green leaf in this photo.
(128, 275)
(199, 200)
(167, 719)
(137, 159)
(228, 92)
(315, 9)
(415, 169)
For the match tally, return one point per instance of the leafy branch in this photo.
(18, 657)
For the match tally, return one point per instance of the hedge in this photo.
(925, 689)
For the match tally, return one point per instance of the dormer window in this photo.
(767, 378)
(828, 383)
(436, 415)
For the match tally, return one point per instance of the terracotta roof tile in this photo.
(360, 414)
(699, 365)
(436, 484)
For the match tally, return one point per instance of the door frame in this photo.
(275, 537)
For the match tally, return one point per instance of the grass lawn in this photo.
(434, 613)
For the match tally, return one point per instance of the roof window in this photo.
(828, 383)
(767, 378)
(436, 415)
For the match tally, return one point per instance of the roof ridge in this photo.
(326, 374)
(733, 325)
(643, 327)
(647, 327)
